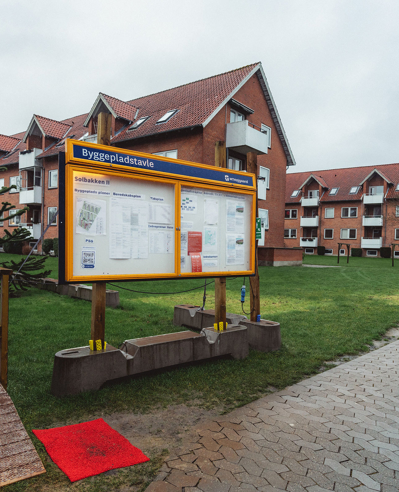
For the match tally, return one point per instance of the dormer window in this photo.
(236, 116)
(295, 193)
(333, 191)
(139, 122)
(167, 116)
(354, 190)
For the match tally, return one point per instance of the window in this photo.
(51, 219)
(397, 211)
(53, 178)
(263, 184)
(328, 251)
(172, 154)
(14, 180)
(264, 219)
(139, 122)
(268, 131)
(348, 233)
(309, 251)
(342, 252)
(167, 116)
(15, 220)
(1, 183)
(333, 191)
(397, 187)
(328, 233)
(1, 221)
(396, 254)
(354, 190)
(236, 164)
(290, 233)
(295, 193)
(236, 116)
(349, 212)
(329, 213)
(396, 234)
(371, 252)
(313, 193)
(291, 213)
(376, 190)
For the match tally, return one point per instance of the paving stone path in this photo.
(336, 431)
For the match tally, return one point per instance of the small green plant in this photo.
(47, 246)
(321, 250)
(356, 252)
(385, 252)
(55, 246)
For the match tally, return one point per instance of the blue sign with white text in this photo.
(110, 157)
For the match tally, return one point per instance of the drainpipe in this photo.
(42, 221)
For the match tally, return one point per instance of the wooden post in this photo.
(220, 283)
(252, 167)
(348, 246)
(5, 278)
(393, 254)
(98, 299)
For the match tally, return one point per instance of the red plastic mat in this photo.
(84, 450)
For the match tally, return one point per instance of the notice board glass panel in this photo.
(215, 231)
(122, 225)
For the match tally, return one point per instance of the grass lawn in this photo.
(324, 313)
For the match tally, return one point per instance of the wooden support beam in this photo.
(5, 279)
(252, 167)
(220, 283)
(98, 311)
(104, 129)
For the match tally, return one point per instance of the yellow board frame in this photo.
(73, 164)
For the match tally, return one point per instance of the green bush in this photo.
(48, 245)
(55, 246)
(356, 252)
(13, 248)
(385, 252)
(321, 250)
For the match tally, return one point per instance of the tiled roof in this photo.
(13, 156)
(52, 128)
(7, 143)
(195, 102)
(122, 109)
(343, 179)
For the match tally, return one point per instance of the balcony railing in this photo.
(310, 221)
(310, 202)
(29, 159)
(371, 199)
(34, 229)
(243, 139)
(308, 242)
(31, 195)
(372, 220)
(373, 243)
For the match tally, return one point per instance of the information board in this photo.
(123, 223)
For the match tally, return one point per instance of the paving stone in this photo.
(212, 486)
(226, 465)
(250, 444)
(189, 458)
(255, 481)
(343, 479)
(317, 488)
(206, 466)
(162, 487)
(211, 455)
(227, 477)
(232, 425)
(275, 479)
(295, 487)
(295, 466)
(366, 480)
(251, 467)
(231, 434)
(231, 444)
(210, 444)
(229, 454)
(182, 465)
(180, 479)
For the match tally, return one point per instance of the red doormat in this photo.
(84, 450)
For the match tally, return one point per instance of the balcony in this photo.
(310, 221)
(29, 160)
(371, 243)
(372, 220)
(308, 242)
(34, 229)
(310, 202)
(31, 195)
(371, 199)
(243, 139)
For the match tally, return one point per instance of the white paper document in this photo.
(160, 213)
(91, 217)
(210, 239)
(161, 239)
(235, 249)
(210, 261)
(211, 211)
(235, 216)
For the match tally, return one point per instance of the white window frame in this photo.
(396, 234)
(172, 154)
(368, 251)
(309, 251)
(1, 221)
(236, 116)
(313, 193)
(235, 164)
(167, 116)
(396, 254)
(139, 122)
(1, 183)
(354, 190)
(14, 180)
(348, 229)
(332, 236)
(333, 191)
(397, 211)
(342, 252)
(15, 221)
(51, 178)
(263, 184)
(290, 234)
(54, 210)
(295, 193)
(330, 211)
(328, 251)
(397, 187)
(264, 217)
(372, 188)
(290, 210)
(349, 216)
(267, 131)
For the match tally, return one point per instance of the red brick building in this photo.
(358, 206)
(187, 122)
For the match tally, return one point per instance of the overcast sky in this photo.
(332, 65)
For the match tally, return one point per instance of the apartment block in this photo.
(356, 206)
(232, 113)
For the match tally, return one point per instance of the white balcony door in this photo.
(263, 184)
